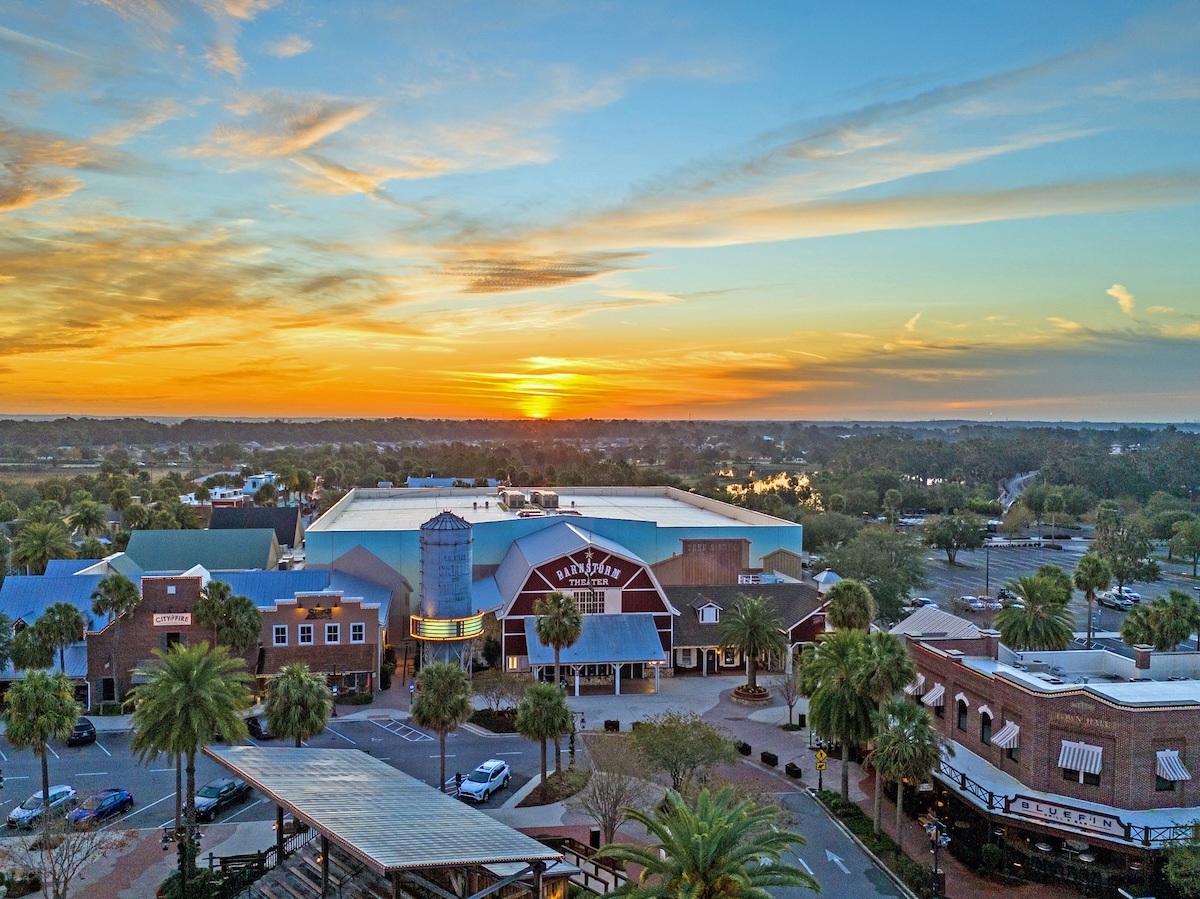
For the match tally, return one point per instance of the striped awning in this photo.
(935, 697)
(917, 687)
(1008, 737)
(1080, 757)
(1170, 767)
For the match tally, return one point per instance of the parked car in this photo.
(83, 732)
(993, 604)
(217, 795)
(1004, 593)
(974, 603)
(257, 728)
(485, 780)
(1129, 593)
(1112, 601)
(29, 812)
(101, 806)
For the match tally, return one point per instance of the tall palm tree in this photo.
(38, 542)
(725, 848)
(1062, 581)
(1092, 574)
(753, 628)
(885, 669)
(559, 624)
(298, 703)
(838, 708)
(118, 596)
(190, 694)
(1044, 623)
(1180, 617)
(30, 650)
(61, 625)
(542, 714)
(908, 745)
(88, 516)
(38, 708)
(851, 605)
(1163, 624)
(442, 703)
(235, 620)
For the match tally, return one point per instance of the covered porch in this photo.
(609, 648)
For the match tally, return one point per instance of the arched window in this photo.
(985, 728)
(962, 714)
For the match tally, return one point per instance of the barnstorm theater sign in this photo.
(587, 574)
(1061, 814)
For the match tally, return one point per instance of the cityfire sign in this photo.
(173, 619)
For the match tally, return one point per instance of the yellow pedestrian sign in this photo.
(822, 755)
(820, 766)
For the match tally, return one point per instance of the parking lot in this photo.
(109, 763)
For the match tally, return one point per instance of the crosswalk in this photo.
(403, 731)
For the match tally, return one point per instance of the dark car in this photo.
(257, 728)
(1004, 593)
(100, 807)
(217, 795)
(83, 732)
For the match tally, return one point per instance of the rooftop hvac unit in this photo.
(547, 499)
(512, 499)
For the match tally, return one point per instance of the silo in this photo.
(447, 626)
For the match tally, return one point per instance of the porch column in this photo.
(787, 663)
(704, 661)
(657, 669)
(575, 668)
(279, 834)
(324, 865)
(617, 672)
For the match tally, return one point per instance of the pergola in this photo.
(402, 829)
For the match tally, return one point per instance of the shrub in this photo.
(497, 722)
(385, 676)
(359, 699)
(990, 857)
(743, 748)
(612, 725)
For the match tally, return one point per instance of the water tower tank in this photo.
(446, 567)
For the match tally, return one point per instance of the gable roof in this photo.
(631, 637)
(67, 567)
(26, 597)
(792, 602)
(221, 550)
(932, 622)
(284, 520)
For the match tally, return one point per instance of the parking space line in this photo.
(51, 750)
(93, 774)
(510, 753)
(3, 756)
(150, 806)
(343, 736)
(239, 811)
(102, 749)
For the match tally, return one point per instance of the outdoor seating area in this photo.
(1094, 870)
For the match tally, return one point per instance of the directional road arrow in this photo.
(837, 861)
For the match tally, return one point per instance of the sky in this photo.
(791, 210)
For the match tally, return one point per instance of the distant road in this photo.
(1015, 487)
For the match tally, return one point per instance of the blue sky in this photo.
(793, 210)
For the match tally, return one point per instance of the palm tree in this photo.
(1060, 579)
(88, 516)
(1180, 617)
(38, 708)
(725, 848)
(298, 703)
(559, 624)
(837, 708)
(190, 694)
(1091, 574)
(118, 596)
(1045, 622)
(442, 703)
(60, 625)
(885, 669)
(542, 714)
(135, 516)
(1163, 624)
(908, 746)
(234, 620)
(851, 605)
(754, 629)
(30, 650)
(39, 542)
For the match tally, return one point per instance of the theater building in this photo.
(1077, 764)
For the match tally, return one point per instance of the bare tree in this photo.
(499, 689)
(69, 850)
(788, 687)
(614, 788)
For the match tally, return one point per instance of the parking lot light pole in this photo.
(938, 840)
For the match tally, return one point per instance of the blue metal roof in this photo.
(25, 598)
(628, 637)
(264, 588)
(67, 567)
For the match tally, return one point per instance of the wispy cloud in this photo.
(1123, 297)
(289, 46)
(911, 324)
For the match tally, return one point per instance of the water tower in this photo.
(448, 625)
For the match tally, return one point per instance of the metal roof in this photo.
(628, 637)
(26, 597)
(224, 550)
(381, 816)
(931, 622)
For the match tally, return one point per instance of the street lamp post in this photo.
(937, 840)
(987, 570)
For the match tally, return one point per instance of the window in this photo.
(730, 657)
(590, 602)
(170, 589)
(333, 633)
(685, 658)
(962, 715)
(514, 663)
(279, 633)
(1013, 754)
(1081, 777)
(985, 729)
(939, 710)
(306, 635)
(710, 615)
(358, 632)
(1162, 785)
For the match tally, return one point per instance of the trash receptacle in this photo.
(594, 838)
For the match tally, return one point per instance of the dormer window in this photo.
(710, 613)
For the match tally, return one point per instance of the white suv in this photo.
(485, 780)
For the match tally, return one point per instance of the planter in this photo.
(792, 770)
(612, 725)
(743, 748)
(769, 758)
(744, 696)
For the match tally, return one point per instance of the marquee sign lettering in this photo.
(588, 573)
(318, 614)
(1062, 814)
(169, 619)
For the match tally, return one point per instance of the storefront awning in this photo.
(1008, 737)
(1080, 757)
(1170, 767)
(917, 687)
(935, 697)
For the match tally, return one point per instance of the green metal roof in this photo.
(222, 550)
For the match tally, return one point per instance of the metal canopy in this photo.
(604, 639)
(383, 817)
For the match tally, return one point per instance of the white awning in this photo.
(917, 687)
(935, 696)
(1008, 737)
(1170, 767)
(1080, 757)
(962, 697)
(984, 710)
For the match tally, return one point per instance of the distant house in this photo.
(220, 550)
(284, 520)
